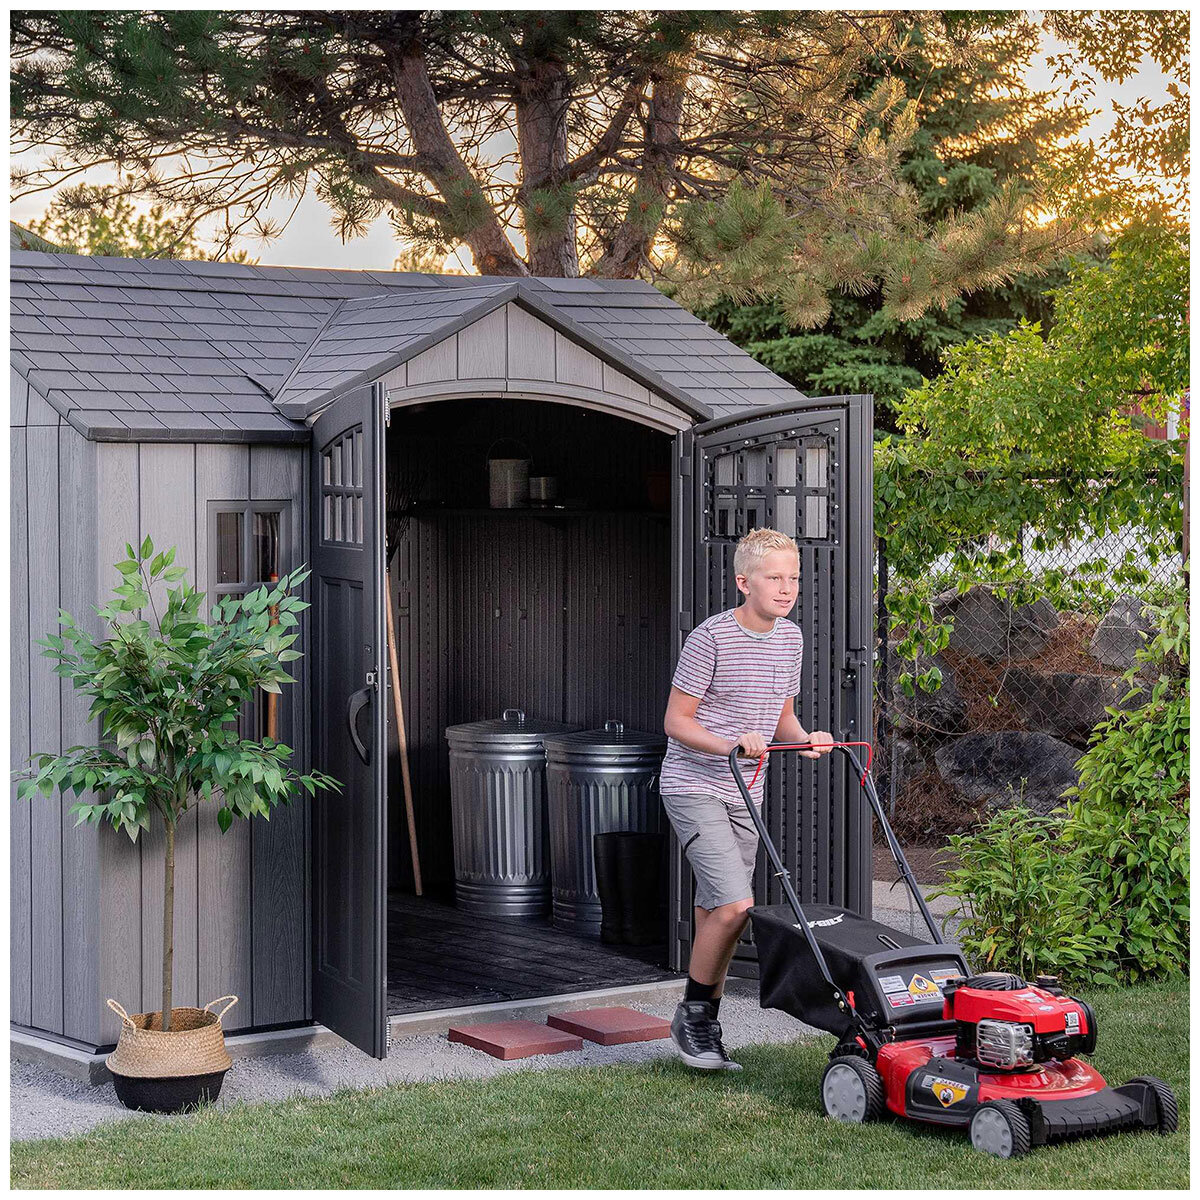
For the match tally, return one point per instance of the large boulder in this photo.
(1120, 634)
(1066, 705)
(992, 766)
(939, 711)
(989, 626)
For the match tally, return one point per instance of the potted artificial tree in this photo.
(168, 693)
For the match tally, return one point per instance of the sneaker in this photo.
(696, 1035)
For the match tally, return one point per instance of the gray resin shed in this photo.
(258, 418)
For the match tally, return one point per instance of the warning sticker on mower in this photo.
(921, 988)
(948, 1091)
(900, 999)
(893, 983)
(943, 973)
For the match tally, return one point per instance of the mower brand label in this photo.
(893, 983)
(827, 921)
(900, 999)
(948, 1091)
(921, 988)
(1072, 1022)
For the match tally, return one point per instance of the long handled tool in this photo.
(402, 739)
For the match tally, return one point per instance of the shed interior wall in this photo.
(564, 614)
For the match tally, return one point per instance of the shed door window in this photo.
(342, 489)
(785, 485)
(246, 552)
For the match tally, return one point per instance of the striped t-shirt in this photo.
(742, 681)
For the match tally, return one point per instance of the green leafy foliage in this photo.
(167, 693)
(979, 129)
(1024, 900)
(1026, 431)
(1100, 895)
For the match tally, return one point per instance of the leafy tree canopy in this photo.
(675, 144)
(980, 128)
(102, 221)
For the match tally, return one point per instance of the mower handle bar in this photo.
(868, 785)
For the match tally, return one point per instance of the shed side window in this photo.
(342, 489)
(246, 550)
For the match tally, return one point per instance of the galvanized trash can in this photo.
(600, 781)
(498, 813)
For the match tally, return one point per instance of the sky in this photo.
(310, 240)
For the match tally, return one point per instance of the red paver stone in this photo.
(515, 1039)
(611, 1026)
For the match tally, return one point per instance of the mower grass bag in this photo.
(921, 1038)
(888, 977)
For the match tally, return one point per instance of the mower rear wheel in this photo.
(999, 1127)
(851, 1090)
(1168, 1106)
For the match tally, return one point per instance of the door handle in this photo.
(358, 701)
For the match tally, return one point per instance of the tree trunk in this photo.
(542, 98)
(648, 205)
(168, 955)
(479, 226)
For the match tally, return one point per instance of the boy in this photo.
(735, 683)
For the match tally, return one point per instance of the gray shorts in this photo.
(721, 844)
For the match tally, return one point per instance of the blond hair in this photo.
(756, 545)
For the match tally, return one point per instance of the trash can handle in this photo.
(518, 713)
(614, 726)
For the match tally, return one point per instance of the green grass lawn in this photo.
(646, 1126)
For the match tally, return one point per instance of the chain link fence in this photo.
(1029, 657)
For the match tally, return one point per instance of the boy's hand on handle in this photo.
(822, 743)
(753, 745)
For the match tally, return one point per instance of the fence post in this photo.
(881, 632)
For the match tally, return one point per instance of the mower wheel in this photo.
(851, 1090)
(999, 1127)
(1168, 1106)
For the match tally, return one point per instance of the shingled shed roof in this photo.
(168, 349)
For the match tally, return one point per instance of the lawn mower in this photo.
(920, 1036)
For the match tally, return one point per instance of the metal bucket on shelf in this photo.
(498, 811)
(600, 781)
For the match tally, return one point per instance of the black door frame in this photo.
(852, 417)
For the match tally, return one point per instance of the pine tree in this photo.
(979, 130)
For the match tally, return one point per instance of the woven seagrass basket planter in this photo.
(170, 1072)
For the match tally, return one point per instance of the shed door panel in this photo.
(793, 469)
(349, 834)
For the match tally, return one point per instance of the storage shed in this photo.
(261, 417)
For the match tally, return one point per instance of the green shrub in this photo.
(1099, 894)
(1024, 898)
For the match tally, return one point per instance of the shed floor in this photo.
(439, 957)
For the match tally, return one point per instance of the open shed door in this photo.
(804, 468)
(348, 713)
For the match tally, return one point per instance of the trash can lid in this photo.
(512, 727)
(614, 741)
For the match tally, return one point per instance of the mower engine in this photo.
(1006, 1024)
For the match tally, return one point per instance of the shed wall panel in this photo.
(121, 918)
(530, 346)
(18, 399)
(483, 348)
(45, 717)
(280, 846)
(82, 929)
(224, 899)
(20, 879)
(168, 517)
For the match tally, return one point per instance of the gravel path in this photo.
(44, 1103)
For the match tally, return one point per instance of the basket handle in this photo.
(125, 1017)
(232, 1001)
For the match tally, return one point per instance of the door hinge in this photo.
(685, 465)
